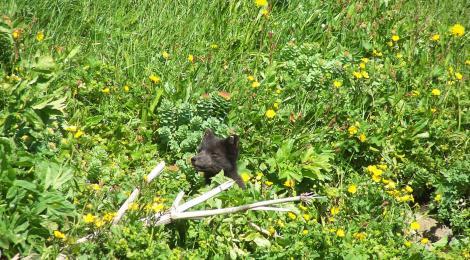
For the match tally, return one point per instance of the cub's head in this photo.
(216, 154)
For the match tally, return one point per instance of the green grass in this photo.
(296, 52)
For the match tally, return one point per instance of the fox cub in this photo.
(216, 154)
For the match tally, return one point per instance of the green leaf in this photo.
(262, 242)
(25, 185)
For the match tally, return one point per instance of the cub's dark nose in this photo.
(193, 159)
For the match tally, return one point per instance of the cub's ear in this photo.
(208, 133)
(233, 140)
(232, 144)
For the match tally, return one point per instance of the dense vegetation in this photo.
(364, 102)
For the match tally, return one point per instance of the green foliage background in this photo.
(82, 121)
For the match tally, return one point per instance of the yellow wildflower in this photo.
(436, 92)
(40, 36)
(352, 130)
(259, 175)
(408, 189)
(191, 58)
(78, 134)
(105, 90)
(415, 93)
(265, 12)
(126, 88)
(457, 30)
(270, 114)
(399, 55)
(337, 83)
(374, 170)
(376, 178)
(357, 74)
(360, 235)
(255, 84)
(365, 60)
(157, 207)
(109, 216)
(95, 187)
(268, 183)
(165, 55)
(438, 197)
(467, 62)
(289, 183)
(334, 211)
(278, 91)
(433, 110)
(302, 207)
(214, 46)
(390, 44)
(458, 76)
(424, 241)
(59, 234)
(276, 105)
(133, 206)
(352, 188)
(415, 225)
(71, 128)
(306, 217)
(407, 243)
(261, 3)
(340, 232)
(376, 53)
(250, 78)
(99, 223)
(89, 218)
(305, 232)
(155, 79)
(395, 38)
(362, 138)
(271, 230)
(280, 223)
(291, 215)
(245, 176)
(435, 37)
(362, 65)
(16, 34)
(365, 74)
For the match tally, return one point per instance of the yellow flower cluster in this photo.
(59, 235)
(403, 195)
(289, 183)
(354, 129)
(360, 235)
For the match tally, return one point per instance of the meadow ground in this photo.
(364, 102)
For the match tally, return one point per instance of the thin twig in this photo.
(125, 206)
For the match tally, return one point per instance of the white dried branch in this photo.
(205, 196)
(125, 206)
(155, 172)
(177, 200)
(165, 218)
(212, 212)
(86, 238)
(272, 209)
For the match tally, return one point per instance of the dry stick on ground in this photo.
(177, 212)
(122, 210)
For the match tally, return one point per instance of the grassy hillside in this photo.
(363, 102)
